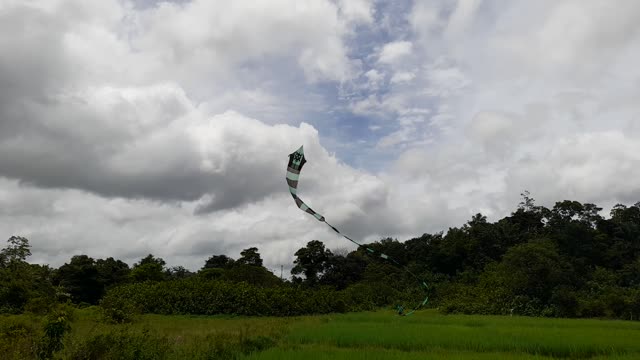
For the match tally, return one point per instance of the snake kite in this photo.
(294, 167)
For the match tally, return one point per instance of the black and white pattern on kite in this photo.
(296, 161)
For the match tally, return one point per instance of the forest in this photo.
(564, 261)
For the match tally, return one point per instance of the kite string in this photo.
(296, 161)
(387, 257)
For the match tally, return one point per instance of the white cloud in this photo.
(402, 77)
(165, 129)
(395, 51)
(357, 11)
(207, 37)
(518, 95)
(375, 79)
(444, 80)
(142, 114)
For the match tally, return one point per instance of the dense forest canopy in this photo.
(566, 261)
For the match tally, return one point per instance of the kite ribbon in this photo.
(296, 162)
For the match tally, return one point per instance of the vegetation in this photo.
(567, 261)
(364, 335)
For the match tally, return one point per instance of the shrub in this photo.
(118, 310)
(18, 337)
(122, 345)
(210, 297)
(57, 324)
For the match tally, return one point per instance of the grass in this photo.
(372, 335)
(429, 331)
(188, 337)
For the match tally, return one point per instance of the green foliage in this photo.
(312, 260)
(343, 271)
(112, 272)
(566, 261)
(134, 344)
(178, 272)
(119, 310)
(211, 297)
(19, 336)
(122, 344)
(218, 262)
(39, 305)
(20, 282)
(364, 335)
(16, 252)
(57, 324)
(80, 278)
(149, 268)
(250, 256)
(250, 274)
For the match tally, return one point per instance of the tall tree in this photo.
(311, 260)
(178, 272)
(218, 262)
(149, 268)
(19, 280)
(81, 280)
(250, 256)
(17, 251)
(112, 272)
(342, 271)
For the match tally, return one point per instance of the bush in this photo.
(210, 297)
(39, 306)
(57, 324)
(118, 310)
(122, 345)
(19, 337)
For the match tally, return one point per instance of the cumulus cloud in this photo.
(395, 51)
(160, 118)
(539, 104)
(129, 128)
(402, 76)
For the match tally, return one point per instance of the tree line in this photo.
(564, 261)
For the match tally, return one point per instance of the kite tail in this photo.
(296, 162)
(387, 257)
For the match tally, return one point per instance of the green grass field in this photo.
(433, 336)
(375, 335)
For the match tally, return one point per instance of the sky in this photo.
(137, 127)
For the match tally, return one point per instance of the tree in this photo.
(621, 214)
(22, 283)
(250, 256)
(528, 203)
(15, 275)
(17, 251)
(218, 262)
(342, 271)
(149, 268)
(311, 261)
(179, 272)
(81, 280)
(251, 274)
(534, 269)
(112, 272)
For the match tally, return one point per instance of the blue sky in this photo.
(136, 127)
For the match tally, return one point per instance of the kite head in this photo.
(296, 159)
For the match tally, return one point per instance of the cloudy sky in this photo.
(136, 127)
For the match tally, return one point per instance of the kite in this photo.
(296, 162)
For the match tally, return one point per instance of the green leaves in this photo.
(198, 295)
(311, 261)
